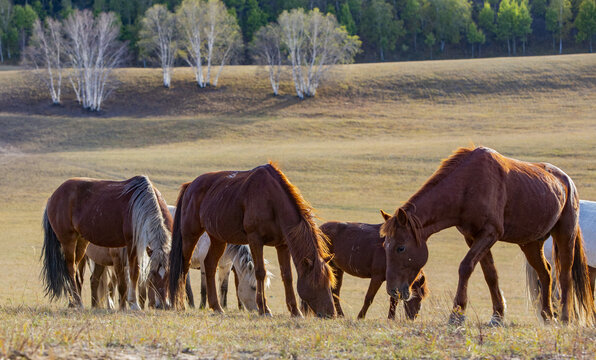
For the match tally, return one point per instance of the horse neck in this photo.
(436, 209)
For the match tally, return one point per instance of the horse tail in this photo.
(581, 280)
(532, 287)
(54, 272)
(176, 256)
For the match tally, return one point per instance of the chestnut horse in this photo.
(358, 250)
(491, 198)
(129, 213)
(587, 223)
(259, 207)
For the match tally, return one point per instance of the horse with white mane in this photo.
(587, 223)
(235, 257)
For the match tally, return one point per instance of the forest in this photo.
(394, 30)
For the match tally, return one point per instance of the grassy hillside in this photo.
(367, 141)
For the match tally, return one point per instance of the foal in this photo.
(357, 249)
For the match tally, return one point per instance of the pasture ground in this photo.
(367, 141)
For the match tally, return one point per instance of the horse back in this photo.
(93, 209)
(357, 247)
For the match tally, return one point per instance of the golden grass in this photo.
(368, 140)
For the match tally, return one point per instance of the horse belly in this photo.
(532, 210)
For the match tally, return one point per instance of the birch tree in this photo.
(315, 42)
(209, 34)
(45, 54)
(5, 15)
(222, 35)
(191, 17)
(158, 38)
(93, 52)
(266, 48)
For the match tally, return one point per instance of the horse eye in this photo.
(254, 288)
(401, 249)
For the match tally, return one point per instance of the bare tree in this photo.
(158, 37)
(315, 43)
(209, 34)
(93, 51)
(228, 44)
(45, 55)
(5, 15)
(266, 48)
(191, 17)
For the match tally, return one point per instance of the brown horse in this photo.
(128, 213)
(358, 250)
(491, 198)
(259, 207)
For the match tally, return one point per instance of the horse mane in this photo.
(241, 261)
(148, 225)
(307, 229)
(409, 209)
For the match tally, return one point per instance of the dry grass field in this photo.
(367, 141)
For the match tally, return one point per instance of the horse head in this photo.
(406, 253)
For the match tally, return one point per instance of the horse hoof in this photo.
(134, 307)
(496, 321)
(457, 319)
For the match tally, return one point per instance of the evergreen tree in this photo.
(23, 18)
(412, 16)
(523, 23)
(475, 36)
(346, 19)
(506, 22)
(380, 28)
(486, 20)
(586, 21)
(558, 16)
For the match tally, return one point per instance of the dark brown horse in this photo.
(106, 213)
(259, 207)
(357, 249)
(491, 198)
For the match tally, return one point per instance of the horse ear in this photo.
(385, 215)
(402, 217)
(307, 262)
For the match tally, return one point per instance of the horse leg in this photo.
(256, 249)
(489, 270)
(95, 280)
(122, 280)
(375, 283)
(81, 248)
(285, 267)
(81, 274)
(223, 277)
(215, 252)
(535, 255)
(339, 276)
(133, 279)
(189, 295)
(392, 307)
(478, 249)
(111, 293)
(143, 293)
(203, 288)
(236, 283)
(69, 248)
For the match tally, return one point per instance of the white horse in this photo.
(237, 258)
(587, 223)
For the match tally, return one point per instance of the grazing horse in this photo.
(587, 224)
(256, 207)
(358, 250)
(491, 198)
(237, 258)
(130, 213)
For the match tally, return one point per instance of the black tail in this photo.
(176, 256)
(54, 273)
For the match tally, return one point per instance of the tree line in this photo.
(388, 29)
